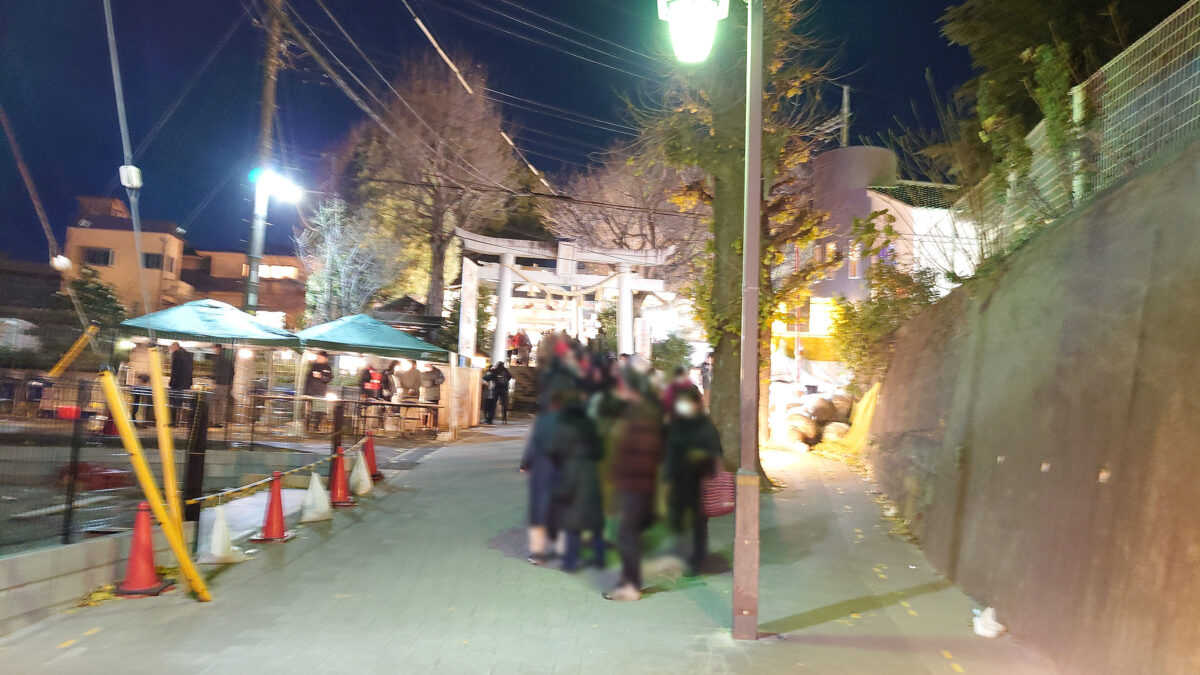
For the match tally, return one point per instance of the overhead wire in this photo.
(508, 139)
(487, 24)
(550, 32)
(583, 32)
(353, 43)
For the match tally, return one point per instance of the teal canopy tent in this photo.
(361, 333)
(210, 321)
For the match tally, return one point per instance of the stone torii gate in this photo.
(567, 256)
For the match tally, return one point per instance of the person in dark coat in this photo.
(579, 501)
(539, 461)
(693, 450)
(316, 384)
(638, 450)
(181, 379)
(223, 371)
(496, 381)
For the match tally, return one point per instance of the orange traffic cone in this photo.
(273, 527)
(368, 454)
(140, 576)
(339, 487)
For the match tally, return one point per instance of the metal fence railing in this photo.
(64, 473)
(1147, 99)
(1144, 101)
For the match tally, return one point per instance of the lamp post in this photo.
(267, 184)
(693, 29)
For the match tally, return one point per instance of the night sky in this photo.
(57, 89)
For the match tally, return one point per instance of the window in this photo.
(854, 266)
(152, 261)
(169, 264)
(98, 257)
(830, 256)
(273, 271)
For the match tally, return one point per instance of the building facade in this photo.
(101, 237)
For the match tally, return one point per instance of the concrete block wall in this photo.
(36, 585)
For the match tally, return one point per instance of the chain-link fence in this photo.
(1143, 102)
(64, 473)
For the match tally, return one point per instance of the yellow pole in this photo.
(138, 459)
(166, 442)
(74, 351)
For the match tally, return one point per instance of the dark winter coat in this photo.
(538, 461)
(693, 447)
(638, 446)
(318, 378)
(223, 368)
(181, 370)
(579, 501)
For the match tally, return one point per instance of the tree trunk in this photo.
(726, 301)
(436, 297)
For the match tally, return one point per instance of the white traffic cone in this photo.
(360, 476)
(220, 545)
(316, 502)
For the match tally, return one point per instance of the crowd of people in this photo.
(608, 440)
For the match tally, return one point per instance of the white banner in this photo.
(468, 299)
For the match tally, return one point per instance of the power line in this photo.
(488, 24)
(564, 111)
(552, 33)
(583, 32)
(547, 114)
(471, 168)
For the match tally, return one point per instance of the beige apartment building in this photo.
(102, 238)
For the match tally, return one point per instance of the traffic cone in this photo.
(360, 480)
(316, 502)
(369, 453)
(220, 544)
(273, 526)
(140, 577)
(339, 491)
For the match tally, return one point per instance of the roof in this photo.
(95, 222)
(209, 321)
(361, 333)
(922, 195)
(26, 268)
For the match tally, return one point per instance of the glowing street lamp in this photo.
(267, 184)
(693, 26)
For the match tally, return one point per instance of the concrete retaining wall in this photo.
(38, 584)
(1041, 430)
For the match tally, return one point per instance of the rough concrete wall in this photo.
(1042, 430)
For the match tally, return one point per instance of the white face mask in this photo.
(685, 408)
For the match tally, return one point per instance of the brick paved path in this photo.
(429, 576)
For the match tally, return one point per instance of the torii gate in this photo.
(567, 255)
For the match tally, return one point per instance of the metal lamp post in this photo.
(267, 184)
(693, 29)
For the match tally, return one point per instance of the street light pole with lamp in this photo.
(267, 184)
(693, 25)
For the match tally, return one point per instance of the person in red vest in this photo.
(370, 381)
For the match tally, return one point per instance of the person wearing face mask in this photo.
(679, 382)
(693, 450)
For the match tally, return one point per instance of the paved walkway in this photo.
(428, 575)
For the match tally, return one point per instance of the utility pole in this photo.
(266, 123)
(745, 544)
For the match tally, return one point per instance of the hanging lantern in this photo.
(693, 26)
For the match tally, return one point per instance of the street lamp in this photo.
(267, 184)
(692, 28)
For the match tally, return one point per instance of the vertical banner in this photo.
(468, 301)
(641, 337)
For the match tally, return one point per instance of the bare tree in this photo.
(347, 259)
(440, 164)
(633, 201)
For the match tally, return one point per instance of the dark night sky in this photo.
(57, 88)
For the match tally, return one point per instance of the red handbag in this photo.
(717, 494)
